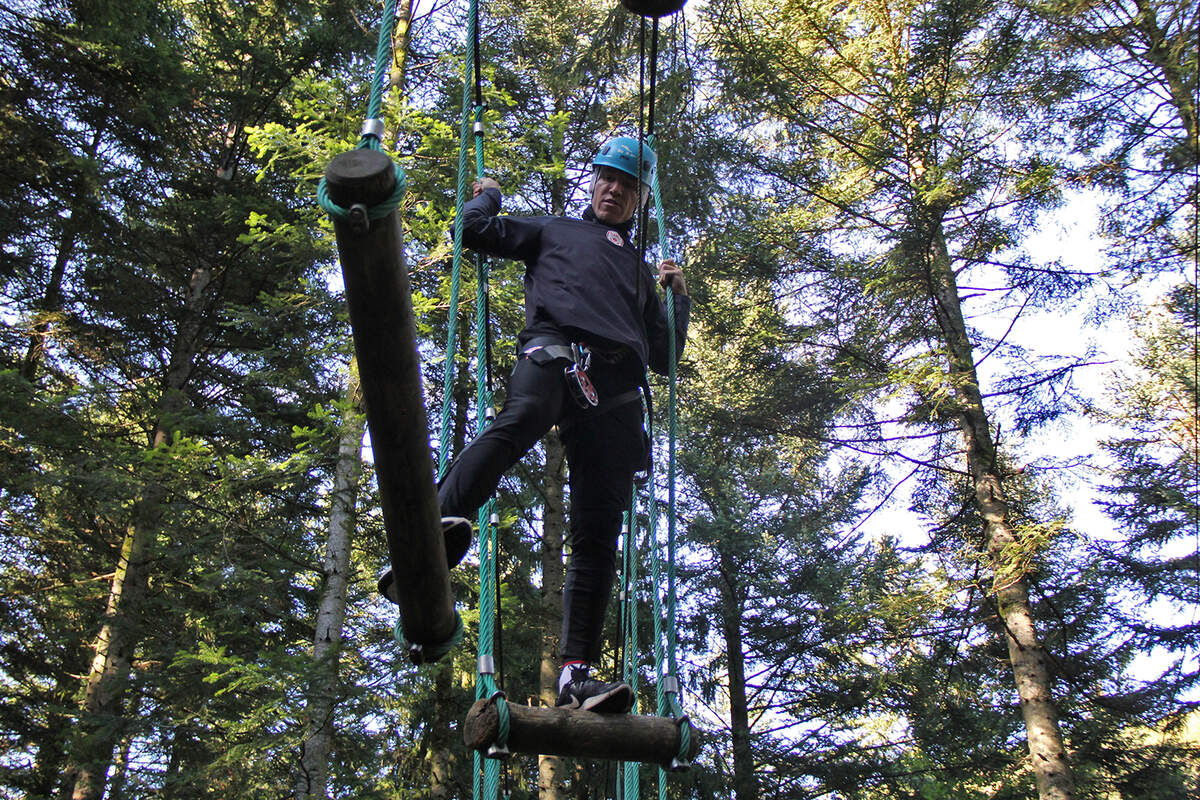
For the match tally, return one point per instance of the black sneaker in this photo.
(585, 694)
(456, 532)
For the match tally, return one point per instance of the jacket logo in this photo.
(615, 238)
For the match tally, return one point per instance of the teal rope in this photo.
(665, 635)
(431, 653)
(629, 624)
(369, 139)
(460, 194)
(485, 684)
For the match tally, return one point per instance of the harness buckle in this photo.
(577, 378)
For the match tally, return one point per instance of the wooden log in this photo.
(579, 734)
(379, 298)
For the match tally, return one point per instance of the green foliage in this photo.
(172, 352)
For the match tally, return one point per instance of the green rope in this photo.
(628, 771)
(373, 127)
(431, 653)
(485, 685)
(665, 641)
(460, 196)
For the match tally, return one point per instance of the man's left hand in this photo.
(671, 274)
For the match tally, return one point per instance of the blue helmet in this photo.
(621, 153)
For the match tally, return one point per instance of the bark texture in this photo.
(1027, 655)
(732, 603)
(312, 778)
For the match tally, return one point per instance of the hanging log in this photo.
(379, 299)
(579, 734)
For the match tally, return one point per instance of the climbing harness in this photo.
(578, 358)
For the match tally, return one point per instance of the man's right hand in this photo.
(486, 183)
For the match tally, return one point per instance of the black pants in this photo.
(604, 449)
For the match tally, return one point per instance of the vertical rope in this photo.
(372, 131)
(446, 433)
(667, 689)
(627, 784)
(486, 783)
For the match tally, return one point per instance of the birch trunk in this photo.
(312, 778)
(553, 770)
(1027, 655)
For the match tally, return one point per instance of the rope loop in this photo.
(372, 213)
(499, 748)
(429, 653)
(683, 761)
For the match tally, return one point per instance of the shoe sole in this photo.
(618, 700)
(457, 537)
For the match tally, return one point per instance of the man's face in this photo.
(615, 195)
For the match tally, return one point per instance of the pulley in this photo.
(653, 8)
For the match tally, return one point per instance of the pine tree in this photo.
(1151, 493)
(899, 132)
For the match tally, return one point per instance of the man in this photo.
(593, 321)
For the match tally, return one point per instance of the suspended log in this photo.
(578, 734)
(379, 298)
(653, 8)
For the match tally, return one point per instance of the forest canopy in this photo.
(936, 477)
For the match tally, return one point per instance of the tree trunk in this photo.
(744, 784)
(105, 685)
(1027, 656)
(312, 777)
(52, 300)
(1159, 53)
(552, 770)
(443, 783)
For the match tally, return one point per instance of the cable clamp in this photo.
(494, 519)
(360, 218)
(478, 127)
(487, 665)
(670, 684)
(372, 126)
(681, 763)
(499, 749)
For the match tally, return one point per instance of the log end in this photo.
(481, 726)
(360, 176)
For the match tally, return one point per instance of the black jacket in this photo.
(581, 275)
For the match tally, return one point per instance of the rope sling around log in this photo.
(362, 189)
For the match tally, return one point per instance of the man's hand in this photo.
(486, 183)
(671, 274)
